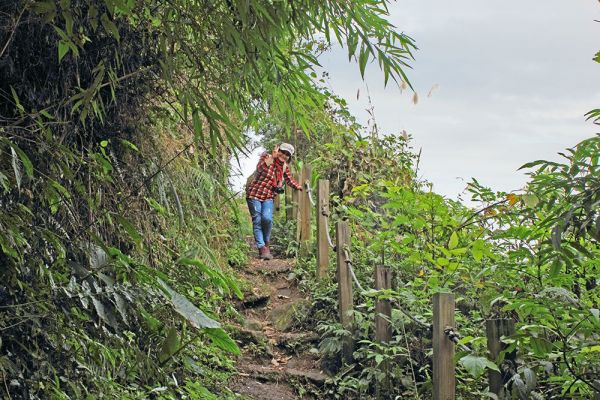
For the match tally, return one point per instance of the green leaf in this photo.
(169, 346)
(594, 114)
(540, 346)
(477, 365)
(22, 156)
(555, 268)
(16, 167)
(187, 310)
(68, 23)
(156, 205)
(129, 144)
(477, 249)
(363, 58)
(532, 164)
(530, 200)
(197, 122)
(591, 349)
(221, 339)
(110, 27)
(63, 49)
(453, 241)
(442, 262)
(16, 99)
(597, 57)
(130, 229)
(196, 391)
(25, 160)
(152, 323)
(46, 114)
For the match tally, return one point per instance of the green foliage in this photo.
(477, 365)
(118, 120)
(530, 256)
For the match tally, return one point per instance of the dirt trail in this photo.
(275, 358)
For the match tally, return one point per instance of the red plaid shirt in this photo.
(267, 177)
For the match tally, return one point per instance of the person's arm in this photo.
(287, 175)
(267, 159)
(262, 162)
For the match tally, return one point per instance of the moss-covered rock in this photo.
(287, 315)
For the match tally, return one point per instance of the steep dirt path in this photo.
(276, 358)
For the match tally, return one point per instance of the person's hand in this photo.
(271, 157)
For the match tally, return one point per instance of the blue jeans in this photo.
(262, 220)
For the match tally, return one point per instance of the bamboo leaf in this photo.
(187, 310)
(16, 167)
(63, 49)
(110, 27)
(222, 340)
(130, 229)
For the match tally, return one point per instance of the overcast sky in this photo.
(515, 78)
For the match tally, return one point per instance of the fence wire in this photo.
(348, 261)
(454, 337)
(309, 191)
(394, 302)
(325, 213)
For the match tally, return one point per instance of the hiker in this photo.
(267, 183)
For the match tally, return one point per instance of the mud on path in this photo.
(276, 355)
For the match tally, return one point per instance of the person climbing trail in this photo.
(267, 182)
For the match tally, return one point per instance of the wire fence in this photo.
(350, 264)
(442, 326)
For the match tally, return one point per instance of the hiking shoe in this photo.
(265, 254)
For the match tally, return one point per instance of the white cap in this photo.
(287, 147)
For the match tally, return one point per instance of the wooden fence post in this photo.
(383, 328)
(294, 202)
(304, 213)
(322, 244)
(495, 329)
(277, 204)
(444, 384)
(345, 295)
(289, 212)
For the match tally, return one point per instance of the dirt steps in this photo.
(275, 354)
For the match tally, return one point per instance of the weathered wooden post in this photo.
(322, 244)
(289, 212)
(495, 329)
(443, 349)
(383, 328)
(345, 295)
(304, 209)
(383, 308)
(277, 204)
(294, 212)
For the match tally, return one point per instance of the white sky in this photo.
(515, 78)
